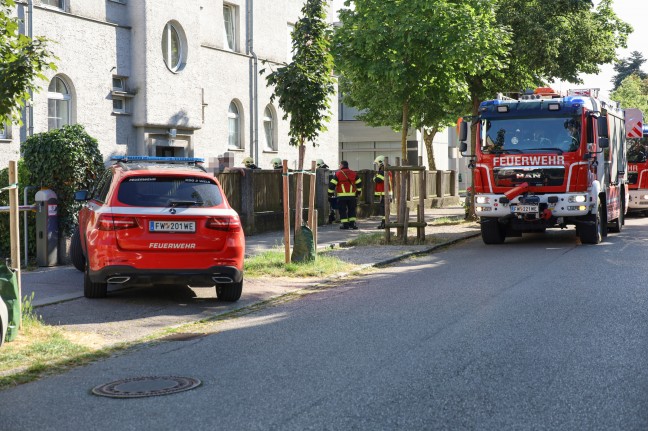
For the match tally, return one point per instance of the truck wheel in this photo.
(92, 289)
(230, 292)
(76, 252)
(617, 224)
(492, 232)
(593, 233)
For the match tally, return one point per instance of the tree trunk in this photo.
(428, 137)
(473, 144)
(404, 132)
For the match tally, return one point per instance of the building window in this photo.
(5, 131)
(268, 129)
(60, 4)
(119, 105)
(234, 126)
(291, 29)
(118, 84)
(229, 19)
(173, 46)
(59, 103)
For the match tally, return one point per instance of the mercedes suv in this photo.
(158, 220)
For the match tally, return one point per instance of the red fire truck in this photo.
(637, 161)
(543, 160)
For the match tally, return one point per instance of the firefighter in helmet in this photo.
(276, 163)
(320, 164)
(379, 188)
(248, 162)
(348, 186)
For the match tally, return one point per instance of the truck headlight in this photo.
(578, 198)
(482, 199)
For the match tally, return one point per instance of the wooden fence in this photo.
(257, 195)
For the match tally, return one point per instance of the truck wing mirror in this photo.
(603, 142)
(463, 147)
(463, 132)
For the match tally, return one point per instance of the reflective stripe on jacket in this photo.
(379, 179)
(345, 182)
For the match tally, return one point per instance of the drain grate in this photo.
(150, 386)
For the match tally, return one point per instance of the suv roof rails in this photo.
(143, 161)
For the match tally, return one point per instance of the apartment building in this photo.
(166, 77)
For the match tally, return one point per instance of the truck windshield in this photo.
(530, 135)
(637, 151)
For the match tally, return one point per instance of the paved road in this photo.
(539, 333)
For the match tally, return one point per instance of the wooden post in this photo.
(422, 188)
(312, 221)
(387, 200)
(14, 229)
(286, 211)
(315, 233)
(405, 224)
(397, 196)
(403, 205)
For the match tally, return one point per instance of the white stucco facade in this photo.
(183, 111)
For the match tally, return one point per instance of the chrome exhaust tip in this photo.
(118, 279)
(222, 279)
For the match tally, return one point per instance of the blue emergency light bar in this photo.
(645, 130)
(155, 159)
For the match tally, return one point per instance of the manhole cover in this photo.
(146, 387)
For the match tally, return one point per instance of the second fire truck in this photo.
(548, 161)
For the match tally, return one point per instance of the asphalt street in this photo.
(538, 333)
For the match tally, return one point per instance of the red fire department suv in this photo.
(158, 220)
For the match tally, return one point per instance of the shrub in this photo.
(64, 160)
(23, 181)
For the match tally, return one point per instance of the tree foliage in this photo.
(64, 160)
(556, 40)
(22, 60)
(404, 63)
(629, 66)
(632, 93)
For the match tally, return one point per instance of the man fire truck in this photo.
(547, 161)
(637, 161)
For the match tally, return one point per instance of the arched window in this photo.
(234, 126)
(59, 101)
(173, 46)
(268, 129)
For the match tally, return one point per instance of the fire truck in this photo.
(637, 161)
(544, 160)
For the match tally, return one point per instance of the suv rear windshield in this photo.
(153, 191)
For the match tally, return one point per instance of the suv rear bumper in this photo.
(128, 275)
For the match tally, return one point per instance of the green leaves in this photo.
(22, 60)
(305, 86)
(64, 160)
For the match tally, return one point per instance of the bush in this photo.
(64, 160)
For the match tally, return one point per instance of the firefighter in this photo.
(379, 189)
(248, 162)
(347, 185)
(321, 165)
(276, 163)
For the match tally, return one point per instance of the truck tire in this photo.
(230, 292)
(76, 252)
(617, 224)
(492, 232)
(92, 289)
(593, 233)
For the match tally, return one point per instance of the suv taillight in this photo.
(227, 223)
(111, 222)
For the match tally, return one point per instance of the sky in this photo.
(632, 12)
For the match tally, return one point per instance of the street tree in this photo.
(632, 93)
(557, 40)
(403, 64)
(629, 66)
(304, 87)
(22, 60)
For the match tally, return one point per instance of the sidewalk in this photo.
(63, 283)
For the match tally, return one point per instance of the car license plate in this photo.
(526, 209)
(172, 226)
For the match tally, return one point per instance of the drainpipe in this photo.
(254, 92)
(30, 33)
